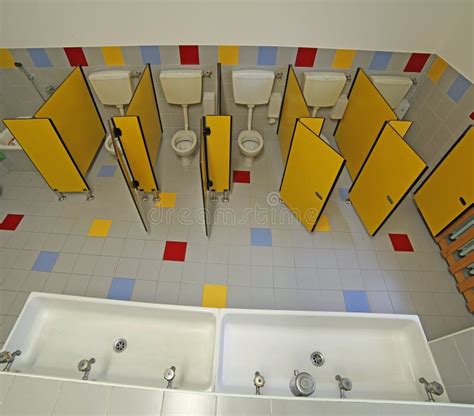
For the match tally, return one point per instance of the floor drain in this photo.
(120, 345)
(317, 358)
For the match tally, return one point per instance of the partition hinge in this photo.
(207, 131)
(135, 184)
(117, 132)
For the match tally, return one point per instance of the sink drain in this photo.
(120, 345)
(317, 358)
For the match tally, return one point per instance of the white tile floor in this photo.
(337, 270)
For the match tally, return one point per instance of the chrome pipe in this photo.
(31, 78)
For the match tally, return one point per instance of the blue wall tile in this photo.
(356, 301)
(261, 236)
(39, 57)
(267, 55)
(380, 61)
(458, 88)
(151, 55)
(121, 289)
(45, 261)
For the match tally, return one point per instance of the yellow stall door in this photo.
(311, 172)
(449, 189)
(390, 171)
(144, 105)
(136, 152)
(218, 143)
(365, 115)
(40, 141)
(294, 107)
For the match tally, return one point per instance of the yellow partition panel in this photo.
(449, 189)
(40, 141)
(363, 119)
(73, 112)
(294, 106)
(218, 151)
(143, 104)
(311, 172)
(389, 172)
(315, 124)
(135, 150)
(204, 183)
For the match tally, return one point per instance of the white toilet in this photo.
(322, 89)
(112, 88)
(251, 87)
(183, 87)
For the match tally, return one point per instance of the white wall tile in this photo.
(126, 402)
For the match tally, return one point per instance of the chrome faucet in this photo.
(431, 388)
(345, 384)
(258, 382)
(85, 367)
(169, 375)
(8, 358)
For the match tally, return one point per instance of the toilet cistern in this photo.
(184, 88)
(322, 89)
(8, 358)
(251, 87)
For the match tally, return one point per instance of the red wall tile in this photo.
(76, 56)
(189, 55)
(305, 57)
(472, 115)
(416, 62)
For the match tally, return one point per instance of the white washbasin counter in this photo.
(219, 350)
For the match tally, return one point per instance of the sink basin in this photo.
(383, 355)
(54, 332)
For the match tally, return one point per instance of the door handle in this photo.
(319, 195)
(462, 200)
(389, 199)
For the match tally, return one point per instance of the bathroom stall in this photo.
(139, 135)
(64, 136)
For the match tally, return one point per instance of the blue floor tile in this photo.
(261, 236)
(344, 193)
(121, 289)
(356, 301)
(45, 261)
(107, 171)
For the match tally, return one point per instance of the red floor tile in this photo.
(241, 176)
(401, 242)
(175, 251)
(11, 221)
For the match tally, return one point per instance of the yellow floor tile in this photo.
(214, 296)
(167, 200)
(323, 224)
(99, 228)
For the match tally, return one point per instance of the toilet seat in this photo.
(250, 142)
(184, 142)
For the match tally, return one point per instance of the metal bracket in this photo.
(207, 73)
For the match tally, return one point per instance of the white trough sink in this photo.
(383, 355)
(54, 332)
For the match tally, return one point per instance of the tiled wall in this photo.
(27, 395)
(442, 109)
(442, 103)
(454, 357)
(51, 65)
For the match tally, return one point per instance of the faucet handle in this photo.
(258, 382)
(8, 358)
(345, 384)
(85, 366)
(432, 387)
(169, 375)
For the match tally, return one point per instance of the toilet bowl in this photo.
(250, 145)
(109, 146)
(184, 143)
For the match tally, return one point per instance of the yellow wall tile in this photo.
(112, 55)
(99, 228)
(229, 55)
(214, 296)
(6, 59)
(343, 58)
(437, 69)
